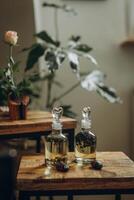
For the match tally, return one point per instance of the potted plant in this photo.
(55, 54)
(15, 94)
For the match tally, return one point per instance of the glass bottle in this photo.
(85, 147)
(56, 144)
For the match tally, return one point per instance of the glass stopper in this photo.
(86, 113)
(57, 113)
(86, 121)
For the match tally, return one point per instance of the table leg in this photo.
(70, 197)
(23, 196)
(50, 197)
(71, 133)
(38, 144)
(38, 198)
(118, 197)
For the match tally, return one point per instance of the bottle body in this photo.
(85, 148)
(56, 148)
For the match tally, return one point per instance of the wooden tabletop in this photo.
(37, 121)
(117, 173)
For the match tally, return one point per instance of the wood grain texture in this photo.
(117, 173)
(37, 121)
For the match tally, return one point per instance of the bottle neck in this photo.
(56, 131)
(85, 129)
(85, 124)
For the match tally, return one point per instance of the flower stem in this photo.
(10, 65)
(11, 60)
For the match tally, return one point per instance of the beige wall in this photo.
(16, 15)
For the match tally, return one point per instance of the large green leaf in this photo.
(25, 87)
(51, 60)
(47, 38)
(3, 98)
(94, 81)
(35, 53)
(75, 38)
(74, 61)
(3, 92)
(108, 93)
(15, 67)
(1, 73)
(75, 43)
(67, 111)
(84, 48)
(64, 7)
(29, 48)
(54, 58)
(51, 5)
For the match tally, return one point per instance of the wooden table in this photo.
(116, 177)
(38, 123)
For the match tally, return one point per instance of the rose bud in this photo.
(11, 37)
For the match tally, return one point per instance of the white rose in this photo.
(11, 37)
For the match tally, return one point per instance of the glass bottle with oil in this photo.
(56, 144)
(85, 147)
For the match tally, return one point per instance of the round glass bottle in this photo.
(85, 140)
(56, 144)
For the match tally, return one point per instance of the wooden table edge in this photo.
(81, 183)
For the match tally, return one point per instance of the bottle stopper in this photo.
(86, 121)
(57, 114)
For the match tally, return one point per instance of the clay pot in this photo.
(18, 107)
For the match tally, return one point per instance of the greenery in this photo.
(55, 54)
(10, 86)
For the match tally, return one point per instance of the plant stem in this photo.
(11, 63)
(11, 60)
(10, 51)
(49, 89)
(65, 93)
(56, 24)
(51, 78)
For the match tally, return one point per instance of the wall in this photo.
(18, 16)
(102, 25)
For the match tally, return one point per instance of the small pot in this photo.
(18, 107)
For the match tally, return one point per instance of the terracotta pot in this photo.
(18, 107)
